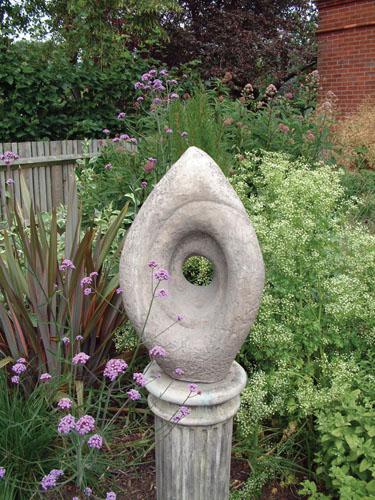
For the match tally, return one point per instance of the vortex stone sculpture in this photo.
(193, 210)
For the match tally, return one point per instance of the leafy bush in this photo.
(317, 319)
(44, 96)
(287, 122)
(122, 172)
(45, 304)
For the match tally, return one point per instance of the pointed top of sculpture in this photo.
(194, 210)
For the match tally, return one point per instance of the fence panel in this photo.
(47, 168)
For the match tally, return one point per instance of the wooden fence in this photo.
(48, 170)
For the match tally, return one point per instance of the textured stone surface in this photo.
(193, 455)
(193, 210)
(193, 463)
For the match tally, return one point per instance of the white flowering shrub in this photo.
(316, 324)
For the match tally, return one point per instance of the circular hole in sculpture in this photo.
(198, 270)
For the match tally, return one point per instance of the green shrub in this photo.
(317, 318)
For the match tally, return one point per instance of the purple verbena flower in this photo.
(64, 404)
(119, 290)
(179, 371)
(87, 280)
(49, 481)
(85, 424)
(121, 115)
(21, 360)
(8, 157)
(94, 274)
(133, 140)
(153, 264)
(139, 85)
(173, 96)
(10, 181)
(114, 368)
(95, 441)
(139, 379)
(15, 379)
(184, 134)
(45, 377)
(2, 472)
(172, 82)
(124, 137)
(66, 264)
(179, 317)
(144, 184)
(87, 291)
(111, 495)
(80, 359)
(152, 73)
(193, 388)
(157, 352)
(183, 411)
(106, 131)
(140, 98)
(65, 340)
(87, 491)
(162, 293)
(168, 130)
(66, 424)
(79, 338)
(116, 139)
(18, 368)
(162, 275)
(163, 72)
(108, 166)
(145, 77)
(133, 394)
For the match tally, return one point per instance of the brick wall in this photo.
(346, 51)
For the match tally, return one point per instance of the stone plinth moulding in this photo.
(193, 210)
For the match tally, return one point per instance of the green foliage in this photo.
(43, 95)
(198, 270)
(43, 303)
(285, 122)
(26, 440)
(101, 187)
(317, 318)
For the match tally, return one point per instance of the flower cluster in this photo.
(64, 404)
(66, 264)
(95, 441)
(8, 157)
(183, 411)
(2, 472)
(45, 377)
(85, 424)
(18, 368)
(154, 83)
(114, 368)
(157, 352)
(133, 394)
(80, 359)
(139, 379)
(49, 481)
(161, 274)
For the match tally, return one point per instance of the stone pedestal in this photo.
(193, 455)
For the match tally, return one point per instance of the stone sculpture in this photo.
(193, 210)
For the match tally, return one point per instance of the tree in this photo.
(250, 39)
